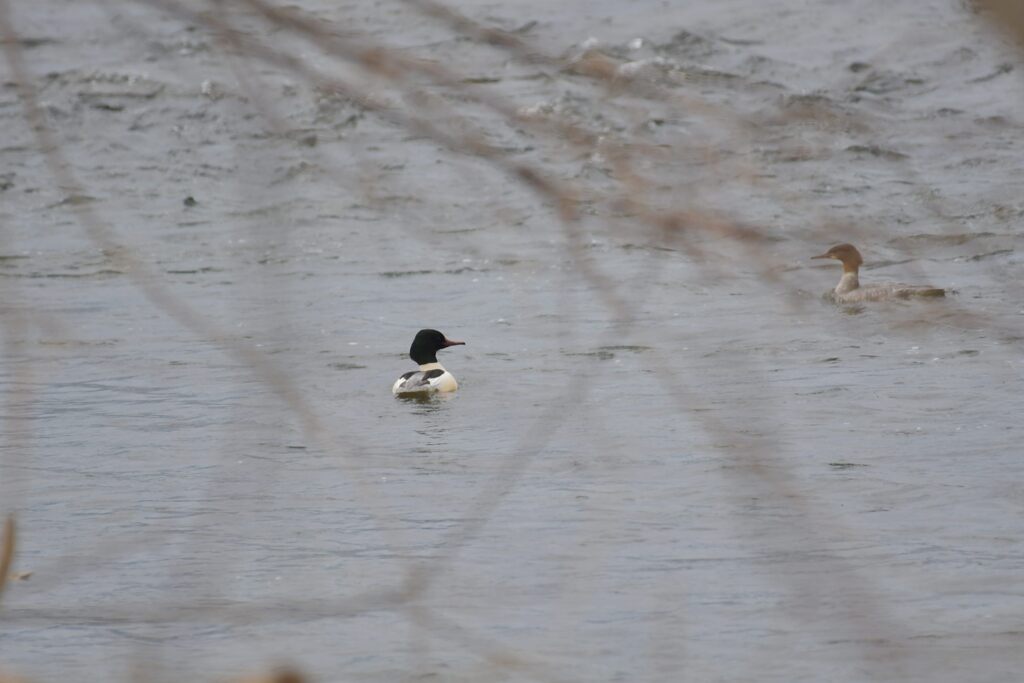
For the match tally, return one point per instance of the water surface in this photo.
(668, 457)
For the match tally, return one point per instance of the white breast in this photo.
(426, 380)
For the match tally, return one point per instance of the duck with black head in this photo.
(850, 291)
(431, 377)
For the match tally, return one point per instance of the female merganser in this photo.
(849, 291)
(431, 376)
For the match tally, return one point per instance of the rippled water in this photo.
(697, 470)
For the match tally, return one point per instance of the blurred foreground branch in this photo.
(1005, 15)
(7, 551)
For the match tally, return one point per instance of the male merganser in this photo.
(849, 291)
(431, 377)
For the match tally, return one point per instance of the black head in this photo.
(426, 345)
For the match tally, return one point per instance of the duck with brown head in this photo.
(431, 377)
(849, 291)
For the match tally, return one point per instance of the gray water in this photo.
(688, 467)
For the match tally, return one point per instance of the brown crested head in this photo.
(847, 254)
